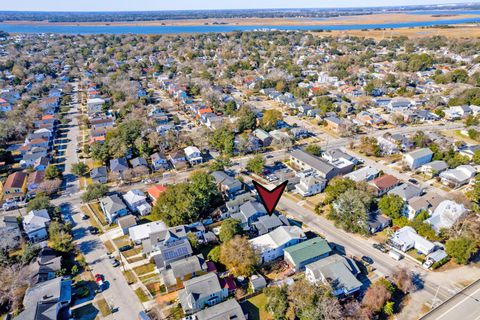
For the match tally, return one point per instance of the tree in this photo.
(94, 192)
(229, 229)
(461, 249)
(59, 237)
(40, 202)
(214, 254)
(52, 172)
(376, 297)
(246, 119)
(49, 187)
(350, 211)
(391, 205)
(80, 169)
(314, 149)
(223, 140)
(220, 163)
(403, 280)
(369, 146)
(256, 164)
(270, 119)
(238, 256)
(277, 301)
(193, 239)
(336, 187)
(388, 308)
(15, 280)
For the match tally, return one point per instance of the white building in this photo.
(137, 202)
(193, 154)
(271, 245)
(446, 214)
(35, 224)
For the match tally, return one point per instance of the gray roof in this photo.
(117, 165)
(228, 310)
(267, 223)
(437, 165)
(99, 172)
(339, 271)
(138, 162)
(251, 208)
(188, 265)
(199, 288)
(56, 289)
(312, 161)
(420, 153)
(112, 203)
(406, 191)
(226, 180)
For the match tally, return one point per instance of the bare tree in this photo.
(15, 280)
(403, 279)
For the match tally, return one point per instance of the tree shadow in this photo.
(89, 246)
(252, 310)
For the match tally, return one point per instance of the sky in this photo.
(147, 5)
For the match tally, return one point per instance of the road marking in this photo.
(470, 296)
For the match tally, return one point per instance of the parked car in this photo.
(115, 263)
(92, 230)
(100, 280)
(85, 217)
(413, 181)
(395, 255)
(367, 259)
(380, 247)
(125, 248)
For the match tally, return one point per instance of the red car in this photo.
(99, 280)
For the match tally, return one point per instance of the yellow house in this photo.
(15, 186)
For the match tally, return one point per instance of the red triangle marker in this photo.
(270, 198)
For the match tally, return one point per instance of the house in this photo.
(118, 166)
(363, 175)
(49, 300)
(337, 271)
(99, 175)
(229, 309)
(418, 158)
(201, 292)
(257, 282)
(377, 222)
(35, 179)
(113, 207)
(126, 222)
(167, 246)
(155, 191)
(270, 246)
(434, 257)
(266, 224)
(427, 202)
(139, 162)
(384, 183)
(306, 252)
(159, 161)
(406, 191)
(248, 213)
(35, 225)
(142, 232)
(193, 155)
(95, 105)
(227, 184)
(407, 238)
(47, 266)
(15, 187)
(41, 164)
(399, 105)
(183, 270)
(178, 159)
(434, 168)
(333, 123)
(310, 185)
(305, 161)
(459, 176)
(265, 138)
(137, 202)
(446, 214)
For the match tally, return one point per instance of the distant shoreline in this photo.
(336, 21)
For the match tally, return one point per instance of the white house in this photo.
(271, 245)
(95, 105)
(142, 232)
(446, 214)
(459, 176)
(137, 202)
(418, 158)
(310, 185)
(35, 224)
(193, 154)
(407, 238)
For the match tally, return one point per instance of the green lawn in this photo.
(129, 276)
(98, 213)
(146, 268)
(141, 295)
(255, 307)
(122, 241)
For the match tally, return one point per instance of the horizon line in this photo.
(249, 9)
